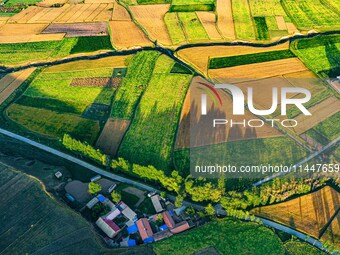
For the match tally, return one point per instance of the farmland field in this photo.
(320, 54)
(261, 28)
(175, 30)
(300, 248)
(192, 27)
(136, 80)
(311, 14)
(224, 235)
(208, 20)
(308, 213)
(151, 135)
(225, 20)
(36, 223)
(243, 22)
(192, 5)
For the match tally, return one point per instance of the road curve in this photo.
(315, 154)
(90, 167)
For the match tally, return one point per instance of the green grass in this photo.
(222, 62)
(7, 14)
(151, 135)
(174, 28)
(192, 5)
(36, 223)
(57, 86)
(266, 8)
(274, 151)
(92, 43)
(261, 28)
(147, 207)
(136, 80)
(193, 28)
(54, 124)
(271, 23)
(325, 131)
(178, 68)
(16, 2)
(243, 22)
(301, 248)
(226, 236)
(129, 199)
(308, 14)
(53, 104)
(321, 54)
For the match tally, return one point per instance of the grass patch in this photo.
(320, 54)
(129, 199)
(266, 8)
(174, 28)
(302, 248)
(7, 14)
(326, 129)
(317, 136)
(193, 28)
(136, 80)
(54, 124)
(180, 69)
(222, 62)
(238, 238)
(92, 43)
(243, 22)
(52, 104)
(261, 28)
(151, 135)
(271, 23)
(147, 207)
(308, 14)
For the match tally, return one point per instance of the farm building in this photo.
(156, 201)
(128, 243)
(108, 226)
(127, 211)
(113, 214)
(105, 201)
(168, 219)
(162, 234)
(180, 227)
(144, 228)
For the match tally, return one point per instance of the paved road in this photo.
(90, 167)
(315, 154)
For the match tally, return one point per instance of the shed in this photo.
(169, 221)
(132, 229)
(163, 227)
(101, 198)
(149, 240)
(144, 228)
(156, 201)
(92, 203)
(129, 214)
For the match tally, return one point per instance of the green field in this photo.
(261, 28)
(54, 124)
(274, 151)
(18, 53)
(136, 80)
(174, 28)
(299, 248)
(308, 14)
(153, 1)
(222, 62)
(192, 5)
(226, 236)
(325, 132)
(243, 22)
(21, 2)
(34, 223)
(151, 135)
(266, 8)
(192, 27)
(321, 54)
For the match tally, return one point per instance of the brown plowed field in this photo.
(102, 82)
(78, 29)
(112, 135)
(190, 136)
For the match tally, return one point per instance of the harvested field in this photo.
(151, 18)
(319, 113)
(308, 213)
(291, 28)
(106, 14)
(13, 81)
(208, 20)
(25, 15)
(115, 61)
(332, 233)
(225, 20)
(78, 29)
(53, 14)
(257, 71)
(91, 8)
(120, 13)
(101, 82)
(189, 136)
(281, 24)
(123, 40)
(112, 135)
(199, 56)
(49, 3)
(99, 1)
(21, 29)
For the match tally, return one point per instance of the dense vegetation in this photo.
(174, 28)
(261, 28)
(299, 248)
(226, 236)
(91, 43)
(321, 54)
(135, 82)
(192, 27)
(243, 21)
(192, 5)
(222, 62)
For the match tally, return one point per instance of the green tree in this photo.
(209, 209)
(179, 200)
(116, 196)
(94, 188)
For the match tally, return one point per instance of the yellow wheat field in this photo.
(225, 21)
(126, 34)
(151, 18)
